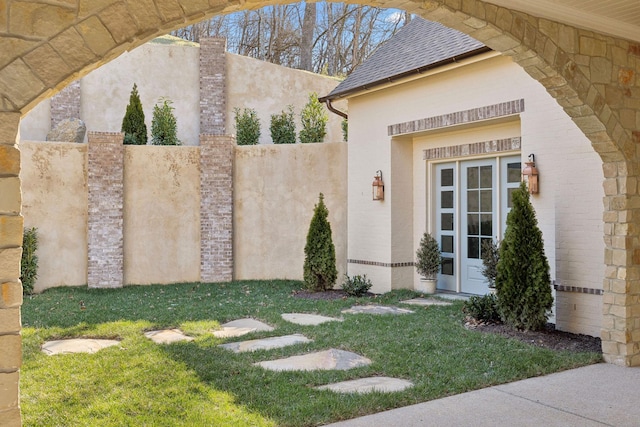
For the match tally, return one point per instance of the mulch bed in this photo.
(548, 338)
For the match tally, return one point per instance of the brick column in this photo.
(11, 226)
(66, 104)
(213, 90)
(105, 215)
(216, 208)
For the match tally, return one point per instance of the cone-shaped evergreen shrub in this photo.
(320, 271)
(523, 284)
(133, 126)
(29, 262)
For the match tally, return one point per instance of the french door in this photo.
(472, 199)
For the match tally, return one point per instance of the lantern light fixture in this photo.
(530, 174)
(378, 186)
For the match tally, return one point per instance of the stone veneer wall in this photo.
(105, 185)
(213, 91)
(66, 104)
(11, 224)
(216, 208)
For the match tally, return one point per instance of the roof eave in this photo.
(419, 70)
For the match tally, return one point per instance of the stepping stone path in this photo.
(167, 336)
(308, 319)
(76, 345)
(425, 302)
(376, 309)
(241, 327)
(327, 360)
(368, 385)
(266, 343)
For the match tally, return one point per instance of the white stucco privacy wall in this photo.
(569, 211)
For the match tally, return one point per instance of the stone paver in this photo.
(327, 360)
(308, 319)
(376, 309)
(425, 302)
(453, 296)
(369, 385)
(266, 343)
(76, 345)
(167, 336)
(237, 328)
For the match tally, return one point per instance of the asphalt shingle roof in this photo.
(417, 46)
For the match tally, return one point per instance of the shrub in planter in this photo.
(428, 257)
(345, 130)
(29, 261)
(314, 121)
(523, 283)
(320, 271)
(164, 125)
(357, 285)
(247, 126)
(133, 126)
(283, 127)
(482, 308)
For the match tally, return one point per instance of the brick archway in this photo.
(44, 46)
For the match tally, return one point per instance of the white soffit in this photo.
(620, 18)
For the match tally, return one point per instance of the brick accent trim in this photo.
(213, 90)
(487, 112)
(216, 208)
(105, 216)
(578, 289)
(473, 149)
(66, 104)
(381, 264)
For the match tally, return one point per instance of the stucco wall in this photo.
(275, 190)
(172, 71)
(270, 88)
(569, 210)
(54, 199)
(161, 215)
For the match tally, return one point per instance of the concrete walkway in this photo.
(596, 395)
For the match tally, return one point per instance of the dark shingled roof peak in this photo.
(416, 47)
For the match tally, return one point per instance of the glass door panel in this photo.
(445, 198)
(479, 203)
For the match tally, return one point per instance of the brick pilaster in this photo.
(216, 208)
(213, 91)
(105, 216)
(66, 104)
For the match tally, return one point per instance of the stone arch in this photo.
(46, 45)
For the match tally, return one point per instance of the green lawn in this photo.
(140, 383)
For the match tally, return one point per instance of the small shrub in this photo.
(523, 282)
(357, 285)
(345, 130)
(247, 126)
(164, 126)
(490, 258)
(29, 262)
(428, 257)
(482, 308)
(314, 121)
(283, 127)
(320, 271)
(133, 126)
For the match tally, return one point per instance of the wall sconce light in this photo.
(378, 186)
(530, 175)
